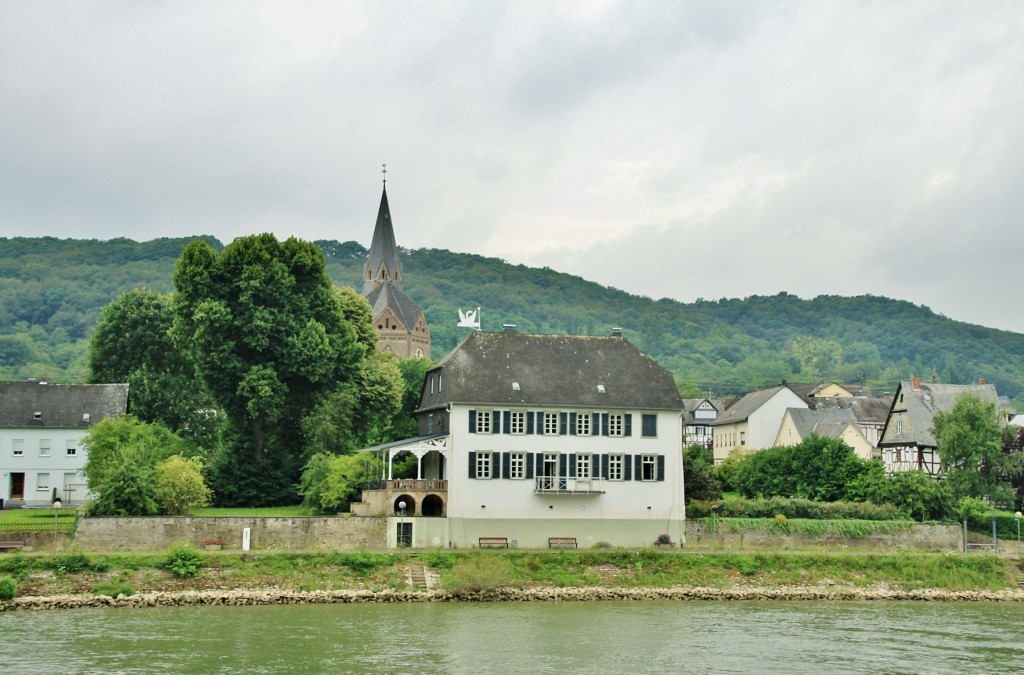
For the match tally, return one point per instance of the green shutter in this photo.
(572, 424)
(627, 467)
(506, 462)
(661, 467)
(529, 465)
(472, 465)
(472, 421)
(507, 421)
(629, 425)
(529, 422)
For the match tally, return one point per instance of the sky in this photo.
(669, 149)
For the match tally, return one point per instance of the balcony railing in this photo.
(561, 485)
(409, 485)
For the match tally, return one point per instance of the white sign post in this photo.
(246, 532)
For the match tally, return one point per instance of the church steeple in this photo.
(382, 262)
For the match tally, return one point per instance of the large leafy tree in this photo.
(132, 344)
(969, 441)
(819, 468)
(269, 338)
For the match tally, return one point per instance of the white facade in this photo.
(34, 461)
(621, 489)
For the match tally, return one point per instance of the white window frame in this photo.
(72, 447)
(616, 424)
(483, 421)
(18, 447)
(517, 465)
(484, 465)
(584, 459)
(648, 462)
(517, 422)
(43, 475)
(583, 424)
(616, 467)
(44, 447)
(550, 421)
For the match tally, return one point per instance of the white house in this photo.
(753, 423)
(41, 430)
(532, 437)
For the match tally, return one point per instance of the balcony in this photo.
(560, 485)
(409, 485)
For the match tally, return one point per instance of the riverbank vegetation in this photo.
(182, 569)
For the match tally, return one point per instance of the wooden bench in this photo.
(493, 542)
(562, 542)
(11, 545)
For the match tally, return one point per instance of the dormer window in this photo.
(37, 415)
(600, 389)
(515, 386)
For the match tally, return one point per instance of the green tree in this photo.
(330, 483)
(180, 486)
(819, 468)
(129, 488)
(969, 442)
(269, 338)
(113, 440)
(916, 493)
(132, 344)
(405, 424)
(698, 468)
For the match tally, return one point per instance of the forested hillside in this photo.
(52, 292)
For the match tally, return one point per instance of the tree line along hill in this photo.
(52, 292)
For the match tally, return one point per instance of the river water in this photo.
(592, 637)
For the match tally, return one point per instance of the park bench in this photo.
(493, 542)
(562, 542)
(11, 545)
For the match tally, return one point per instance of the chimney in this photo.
(981, 380)
(916, 381)
(616, 331)
(508, 328)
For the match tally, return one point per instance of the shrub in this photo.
(16, 564)
(112, 589)
(481, 573)
(362, 562)
(71, 562)
(180, 486)
(8, 588)
(183, 561)
(794, 508)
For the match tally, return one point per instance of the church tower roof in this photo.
(382, 262)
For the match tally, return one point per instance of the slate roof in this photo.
(809, 391)
(690, 406)
(383, 249)
(59, 406)
(866, 410)
(390, 295)
(830, 423)
(922, 404)
(746, 406)
(551, 370)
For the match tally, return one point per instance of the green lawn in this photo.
(37, 520)
(297, 510)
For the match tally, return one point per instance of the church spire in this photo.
(382, 262)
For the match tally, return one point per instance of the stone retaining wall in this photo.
(266, 533)
(279, 597)
(918, 537)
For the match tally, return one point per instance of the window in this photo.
(72, 447)
(517, 465)
(899, 426)
(615, 424)
(483, 421)
(483, 465)
(43, 481)
(583, 464)
(648, 467)
(44, 447)
(743, 438)
(550, 424)
(650, 425)
(583, 424)
(517, 423)
(614, 467)
(18, 447)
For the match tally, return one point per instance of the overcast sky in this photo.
(670, 149)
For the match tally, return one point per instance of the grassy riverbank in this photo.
(471, 571)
